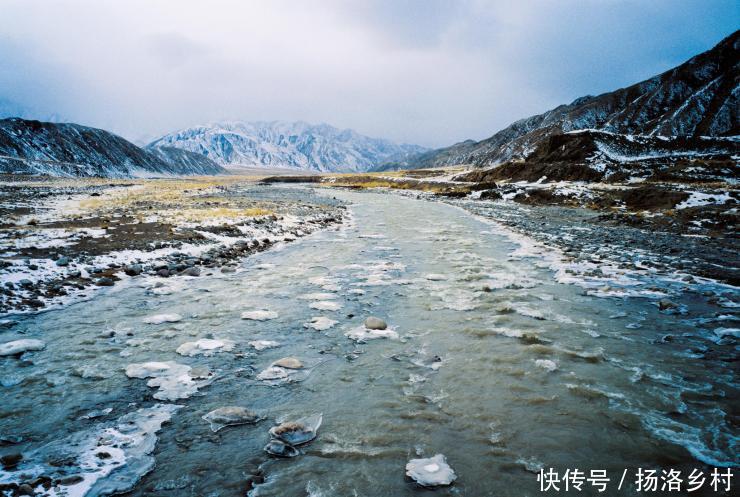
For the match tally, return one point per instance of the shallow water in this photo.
(497, 365)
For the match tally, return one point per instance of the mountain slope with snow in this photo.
(34, 147)
(296, 145)
(697, 98)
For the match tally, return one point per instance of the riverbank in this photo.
(60, 239)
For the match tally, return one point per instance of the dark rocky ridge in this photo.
(697, 98)
(34, 147)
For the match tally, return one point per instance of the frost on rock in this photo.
(174, 381)
(205, 346)
(259, 315)
(286, 436)
(163, 318)
(273, 373)
(320, 323)
(20, 346)
(430, 472)
(109, 460)
(230, 416)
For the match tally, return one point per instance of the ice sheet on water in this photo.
(108, 458)
(174, 381)
(205, 346)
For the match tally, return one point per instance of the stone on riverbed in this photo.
(17, 347)
(297, 432)
(281, 449)
(163, 318)
(288, 363)
(205, 346)
(373, 323)
(230, 416)
(259, 315)
(430, 472)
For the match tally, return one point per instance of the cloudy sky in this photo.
(429, 72)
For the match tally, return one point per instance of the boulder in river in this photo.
(20, 346)
(373, 323)
(230, 416)
(297, 432)
(430, 472)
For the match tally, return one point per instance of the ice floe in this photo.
(259, 315)
(430, 472)
(263, 344)
(163, 318)
(320, 323)
(205, 346)
(174, 381)
(363, 334)
(325, 305)
(20, 346)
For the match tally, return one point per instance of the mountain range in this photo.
(696, 98)
(296, 145)
(59, 149)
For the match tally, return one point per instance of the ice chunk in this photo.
(173, 380)
(430, 472)
(320, 323)
(230, 416)
(205, 346)
(325, 305)
(259, 315)
(20, 346)
(263, 344)
(163, 318)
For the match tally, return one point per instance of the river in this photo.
(498, 364)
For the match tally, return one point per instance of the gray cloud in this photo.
(427, 72)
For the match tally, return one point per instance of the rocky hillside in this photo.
(187, 161)
(697, 98)
(296, 145)
(34, 147)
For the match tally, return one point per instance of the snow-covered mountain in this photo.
(697, 98)
(34, 147)
(296, 145)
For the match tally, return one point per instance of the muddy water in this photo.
(496, 365)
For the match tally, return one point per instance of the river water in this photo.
(498, 364)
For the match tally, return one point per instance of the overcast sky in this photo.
(427, 72)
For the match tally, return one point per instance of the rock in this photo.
(373, 323)
(104, 281)
(430, 472)
(273, 373)
(297, 432)
(62, 261)
(228, 269)
(288, 363)
(192, 271)
(263, 344)
(281, 449)
(10, 461)
(20, 346)
(259, 315)
(230, 416)
(163, 318)
(69, 480)
(164, 273)
(25, 283)
(133, 269)
(665, 305)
